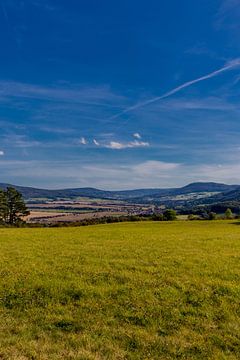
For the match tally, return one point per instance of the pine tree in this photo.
(3, 206)
(13, 206)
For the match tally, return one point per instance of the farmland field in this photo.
(53, 211)
(121, 291)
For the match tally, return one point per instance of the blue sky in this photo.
(119, 94)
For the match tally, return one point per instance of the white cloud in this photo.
(1, 153)
(83, 141)
(137, 135)
(160, 174)
(152, 167)
(96, 142)
(132, 144)
(151, 173)
(116, 145)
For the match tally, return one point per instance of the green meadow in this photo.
(148, 290)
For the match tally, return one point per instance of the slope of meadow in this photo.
(121, 291)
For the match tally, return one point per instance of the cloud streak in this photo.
(146, 174)
(228, 15)
(96, 142)
(132, 144)
(101, 96)
(230, 65)
(83, 141)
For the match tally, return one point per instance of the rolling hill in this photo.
(194, 191)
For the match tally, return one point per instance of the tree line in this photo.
(12, 207)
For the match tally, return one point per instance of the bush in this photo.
(228, 214)
(212, 216)
(157, 217)
(169, 215)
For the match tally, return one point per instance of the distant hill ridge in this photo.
(142, 195)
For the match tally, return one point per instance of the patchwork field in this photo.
(83, 208)
(50, 217)
(121, 291)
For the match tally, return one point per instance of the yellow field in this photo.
(121, 291)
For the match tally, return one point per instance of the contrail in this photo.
(230, 65)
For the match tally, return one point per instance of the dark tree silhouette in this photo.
(12, 206)
(169, 215)
(3, 206)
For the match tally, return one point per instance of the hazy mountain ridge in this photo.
(209, 190)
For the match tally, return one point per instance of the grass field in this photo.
(121, 291)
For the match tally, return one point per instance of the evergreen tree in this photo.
(12, 206)
(3, 206)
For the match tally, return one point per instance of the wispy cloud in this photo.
(202, 50)
(55, 129)
(152, 167)
(114, 145)
(45, 5)
(228, 66)
(19, 141)
(228, 15)
(137, 135)
(131, 144)
(98, 96)
(159, 174)
(83, 141)
(96, 142)
(1, 153)
(151, 173)
(215, 103)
